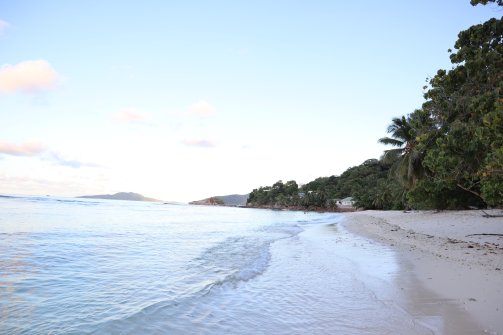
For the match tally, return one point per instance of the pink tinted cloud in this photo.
(129, 115)
(3, 25)
(202, 108)
(27, 76)
(30, 149)
(24, 149)
(199, 143)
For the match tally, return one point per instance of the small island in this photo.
(233, 200)
(130, 196)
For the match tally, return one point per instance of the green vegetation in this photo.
(369, 184)
(278, 195)
(447, 154)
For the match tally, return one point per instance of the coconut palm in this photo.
(405, 160)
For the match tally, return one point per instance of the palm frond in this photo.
(391, 141)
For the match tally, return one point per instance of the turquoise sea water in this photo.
(78, 266)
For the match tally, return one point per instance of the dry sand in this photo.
(448, 255)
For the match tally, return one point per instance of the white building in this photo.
(346, 202)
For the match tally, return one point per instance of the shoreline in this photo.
(447, 255)
(282, 208)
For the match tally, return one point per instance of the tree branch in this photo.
(468, 190)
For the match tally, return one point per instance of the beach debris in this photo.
(487, 215)
(484, 234)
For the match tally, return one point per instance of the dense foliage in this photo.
(279, 195)
(446, 154)
(368, 183)
(461, 140)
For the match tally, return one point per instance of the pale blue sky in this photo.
(182, 100)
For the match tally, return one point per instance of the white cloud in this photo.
(199, 143)
(24, 149)
(202, 108)
(40, 177)
(130, 115)
(61, 160)
(27, 76)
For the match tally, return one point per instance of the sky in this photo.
(182, 100)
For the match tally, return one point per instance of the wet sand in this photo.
(448, 255)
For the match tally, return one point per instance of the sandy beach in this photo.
(458, 255)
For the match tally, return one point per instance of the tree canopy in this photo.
(446, 154)
(485, 2)
(462, 144)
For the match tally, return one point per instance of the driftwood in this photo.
(484, 235)
(487, 215)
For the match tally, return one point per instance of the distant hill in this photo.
(120, 196)
(223, 200)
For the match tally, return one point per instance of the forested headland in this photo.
(447, 154)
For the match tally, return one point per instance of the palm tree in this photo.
(404, 159)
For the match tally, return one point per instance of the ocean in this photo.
(88, 266)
